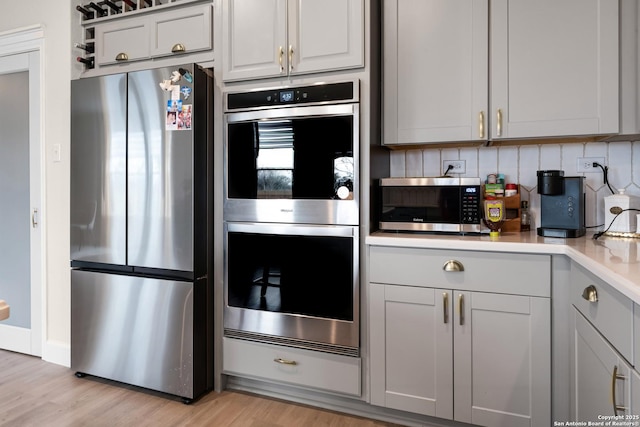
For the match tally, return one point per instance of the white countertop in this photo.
(615, 260)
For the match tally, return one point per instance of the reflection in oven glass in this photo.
(302, 158)
(307, 275)
(275, 159)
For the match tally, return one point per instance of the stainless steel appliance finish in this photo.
(142, 305)
(321, 140)
(136, 330)
(99, 160)
(311, 272)
(431, 204)
(160, 179)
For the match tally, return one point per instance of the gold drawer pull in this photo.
(445, 304)
(590, 294)
(122, 57)
(285, 361)
(178, 48)
(461, 309)
(614, 377)
(290, 58)
(453, 265)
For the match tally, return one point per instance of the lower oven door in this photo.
(294, 285)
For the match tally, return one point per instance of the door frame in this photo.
(29, 41)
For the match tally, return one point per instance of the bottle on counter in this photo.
(525, 216)
(494, 216)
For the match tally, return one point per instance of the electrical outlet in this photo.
(585, 164)
(458, 166)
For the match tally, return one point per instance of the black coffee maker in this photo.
(562, 204)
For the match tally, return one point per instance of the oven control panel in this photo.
(311, 94)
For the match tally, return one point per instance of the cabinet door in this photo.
(634, 410)
(554, 68)
(595, 366)
(130, 38)
(435, 71)
(411, 349)
(325, 35)
(502, 365)
(254, 39)
(189, 28)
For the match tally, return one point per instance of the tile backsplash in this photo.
(519, 164)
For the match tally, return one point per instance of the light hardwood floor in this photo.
(37, 393)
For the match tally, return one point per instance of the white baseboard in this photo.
(16, 339)
(57, 352)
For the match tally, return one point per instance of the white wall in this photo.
(54, 17)
(520, 163)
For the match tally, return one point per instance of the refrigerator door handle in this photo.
(34, 217)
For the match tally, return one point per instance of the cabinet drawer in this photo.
(612, 314)
(508, 273)
(317, 370)
(190, 28)
(113, 39)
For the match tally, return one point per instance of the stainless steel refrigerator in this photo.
(141, 229)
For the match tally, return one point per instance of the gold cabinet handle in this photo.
(481, 124)
(178, 48)
(461, 308)
(499, 122)
(590, 293)
(122, 57)
(290, 58)
(445, 304)
(453, 265)
(614, 377)
(285, 361)
(280, 55)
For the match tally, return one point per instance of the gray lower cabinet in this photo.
(602, 385)
(470, 353)
(604, 382)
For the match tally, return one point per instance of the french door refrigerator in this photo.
(141, 230)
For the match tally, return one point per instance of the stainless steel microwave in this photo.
(441, 204)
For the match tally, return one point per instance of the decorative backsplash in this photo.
(520, 163)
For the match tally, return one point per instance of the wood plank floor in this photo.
(37, 393)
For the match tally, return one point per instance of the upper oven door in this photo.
(293, 165)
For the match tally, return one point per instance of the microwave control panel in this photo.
(470, 205)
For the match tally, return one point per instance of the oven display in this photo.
(286, 96)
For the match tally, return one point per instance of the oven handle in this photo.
(293, 112)
(297, 230)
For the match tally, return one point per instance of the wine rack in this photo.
(96, 11)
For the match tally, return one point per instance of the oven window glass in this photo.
(305, 275)
(302, 158)
(274, 160)
(438, 204)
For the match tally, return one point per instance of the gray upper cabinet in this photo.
(435, 71)
(556, 79)
(272, 38)
(554, 68)
(172, 31)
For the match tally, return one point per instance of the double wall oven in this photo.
(291, 214)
